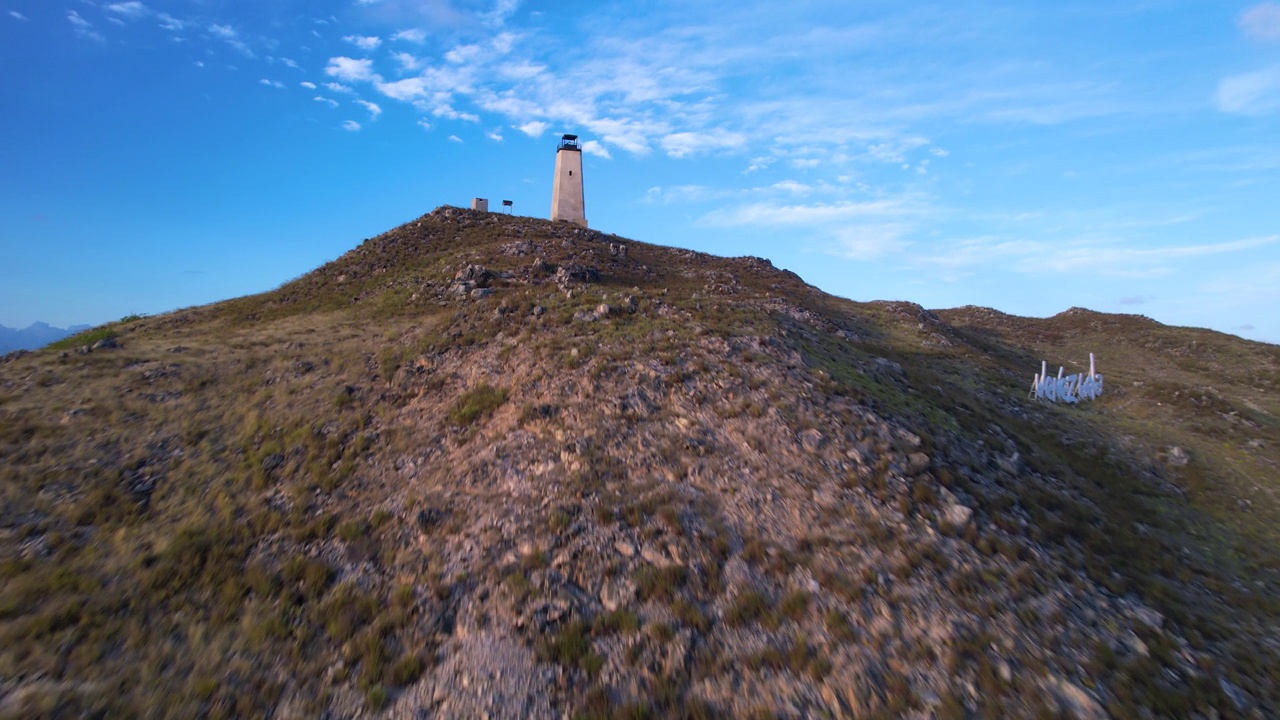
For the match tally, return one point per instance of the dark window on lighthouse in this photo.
(570, 173)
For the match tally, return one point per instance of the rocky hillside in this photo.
(485, 466)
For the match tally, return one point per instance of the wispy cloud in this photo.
(83, 27)
(412, 36)
(326, 101)
(230, 36)
(308, 85)
(351, 126)
(271, 83)
(1254, 93)
(533, 128)
(494, 134)
(1262, 21)
(594, 147)
(366, 43)
(132, 9)
(170, 23)
(17, 15)
(374, 110)
(408, 62)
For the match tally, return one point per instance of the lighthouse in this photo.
(567, 201)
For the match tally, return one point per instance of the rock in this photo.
(1149, 617)
(1239, 697)
(812, 439)
(616, 593)
(272, 461)
(957, 516)
(1136, 645)
(1178, 457)
(479, 293)
(1077, 701)
(1011, 464)
(916, 463)
(572, 272)
(655, 556)
(625, 549)
(476, 274)
(604, 310)
(112, 344)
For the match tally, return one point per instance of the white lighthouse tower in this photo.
(567, 202)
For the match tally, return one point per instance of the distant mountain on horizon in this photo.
(34, 336)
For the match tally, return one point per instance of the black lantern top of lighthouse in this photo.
(569, 142)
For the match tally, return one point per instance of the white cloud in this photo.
(271, 83)
(287, 62)
(502, 9)
(83, 27)
(494, 134)
(533, 128)
(171, 23)
(521, 70)
(338, 88)
(374, 110)
(351, 126)
(308, 85)
(17, 15)
(1262, 21)
(683, 144)
(1255, 93)
(408, 62)
(767, 213)
(326, 101)
(231, 37)
(447, 111)
(455, 138)
(424, 124)
(463, 54)
(131, 9)
(895, 151)
(593, 147)
(403, 90)
(366, 43)
(872, 240)
(413, 35)
(351, 70)
(1115, 259)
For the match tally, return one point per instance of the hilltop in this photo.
(495, 466)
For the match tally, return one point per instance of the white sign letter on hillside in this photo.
(1066, 388)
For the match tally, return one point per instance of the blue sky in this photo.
(1028, 156)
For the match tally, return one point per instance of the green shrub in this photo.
(616, 621)
(654, 583)
(748, 607)
(477, 403)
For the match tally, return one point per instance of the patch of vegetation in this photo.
(475, 404)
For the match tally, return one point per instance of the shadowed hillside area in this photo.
(493, 466)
